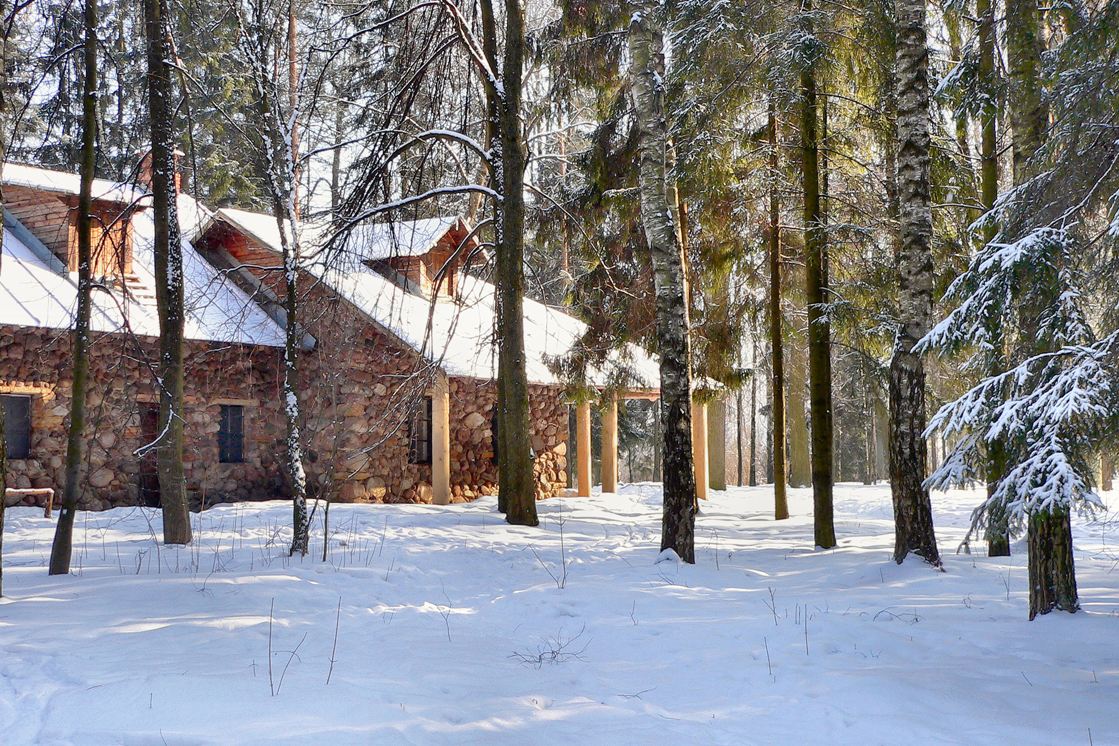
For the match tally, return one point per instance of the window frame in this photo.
(30, 420)
(226, 453)
(422, 436)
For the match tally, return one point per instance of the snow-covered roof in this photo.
(61, 182)
(374, 240)
(455, 333)
(36, 290)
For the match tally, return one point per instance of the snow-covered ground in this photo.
(455, 628)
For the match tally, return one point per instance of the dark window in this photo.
(231, 434)
(149, 467)
(419, 434)
(17, 426)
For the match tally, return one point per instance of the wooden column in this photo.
(717, 444)
(441, 441)
(583, 449)
(610, 446)
(699, 447)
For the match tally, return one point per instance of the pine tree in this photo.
(504, 91)
(64, 530)
(776, 330)
(168, 276)
(7, 20)
(816, 284)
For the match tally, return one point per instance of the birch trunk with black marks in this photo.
(516, 481)
(908, 449)
(64, 530)
(646, 75)
(168, 251)
(280, 166)
(776, 341)
(819, 329)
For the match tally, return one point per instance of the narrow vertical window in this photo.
(17, 426)
(419, 434)
(231, 434)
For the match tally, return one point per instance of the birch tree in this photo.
(645, 38)
(912, 507)
(262, 35)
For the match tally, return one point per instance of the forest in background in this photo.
(892, 227)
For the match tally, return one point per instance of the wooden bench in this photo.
(12, 496)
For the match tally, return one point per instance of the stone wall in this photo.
(473, 471)
(36, 362)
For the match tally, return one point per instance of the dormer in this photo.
(46, 203)
(427, 255)
(422, 256)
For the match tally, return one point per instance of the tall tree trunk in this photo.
(868, 445)
(912, 507)
(1029, 116)
(516, 481)
(336, 155)
(819, 329)
(776, 341)
(646, 48)
(997, 531)
(5, 12)
(754, 421)
(739, 442)
(64, 530)
(1107, 470)
(800, 463)
(293, 444)
(1051, 568)
(281, 168)
(293, 102)
(168, 248)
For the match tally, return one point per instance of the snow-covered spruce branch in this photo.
(1049, 408)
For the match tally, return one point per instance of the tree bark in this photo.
(5, 11)
(776, 341)
(800, 467)
(168, 251)
(1029, 116)
(516, 481)
(1051, 569)
(754, 423)
(646, 73)
(281, 170)
(912, 507)
(997, 531)
(819, 329)
(1049, 541)
(64, 530)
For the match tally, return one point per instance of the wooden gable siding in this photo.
(53, 219)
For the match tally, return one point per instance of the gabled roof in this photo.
(455, 333)
(374, 241)
(36, 290)
(61, 182)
